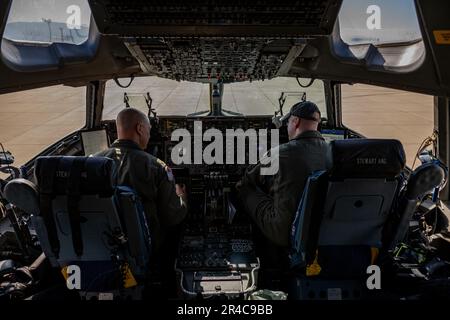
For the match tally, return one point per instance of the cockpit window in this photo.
(183, 98)
(48, 21)
(378, 22)
(380, 35)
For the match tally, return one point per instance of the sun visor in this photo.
(214, 18)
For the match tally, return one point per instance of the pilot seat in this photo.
(82, 218)
(338, 228)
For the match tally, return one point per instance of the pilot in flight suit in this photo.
(164, 202)
(272, 201)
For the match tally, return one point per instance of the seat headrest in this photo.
(23, 194)
(60, 175)
(367, 158)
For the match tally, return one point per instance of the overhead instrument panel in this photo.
(210, 40)
(208, 59)
(215, 18)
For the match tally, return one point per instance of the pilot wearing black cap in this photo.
(272, 202)
(305, 110)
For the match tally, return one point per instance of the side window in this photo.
(378, 22)
(48, 21)
(378, 112)
(381, 34)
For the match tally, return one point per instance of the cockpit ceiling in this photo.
(228, 41)
(215, 18)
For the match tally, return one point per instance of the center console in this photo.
(217, 253)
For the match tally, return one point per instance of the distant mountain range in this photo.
(45, 32)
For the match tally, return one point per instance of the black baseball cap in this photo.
(304, 110)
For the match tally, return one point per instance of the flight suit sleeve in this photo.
(264, 208)
(172, 210)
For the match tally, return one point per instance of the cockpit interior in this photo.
(64, 215)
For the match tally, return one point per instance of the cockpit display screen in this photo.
(333, 134)
(94, 141)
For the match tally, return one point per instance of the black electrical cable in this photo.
(425, 143)
(436, 212)
(8, 166)
(305, 86)
(2, 213)
(122, 86)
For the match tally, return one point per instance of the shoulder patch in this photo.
(167, 169)
(161, 162)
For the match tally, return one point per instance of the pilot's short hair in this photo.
(129, 117)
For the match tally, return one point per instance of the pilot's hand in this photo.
(180, 189)
(238, 185)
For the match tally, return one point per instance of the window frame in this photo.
(23, 56)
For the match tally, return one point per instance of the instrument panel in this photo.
(168, 124)
(217, 252)
(196, 127)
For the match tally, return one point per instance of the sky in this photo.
(36, 10)
(398, 20)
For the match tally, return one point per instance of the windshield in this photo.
(172, 98)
